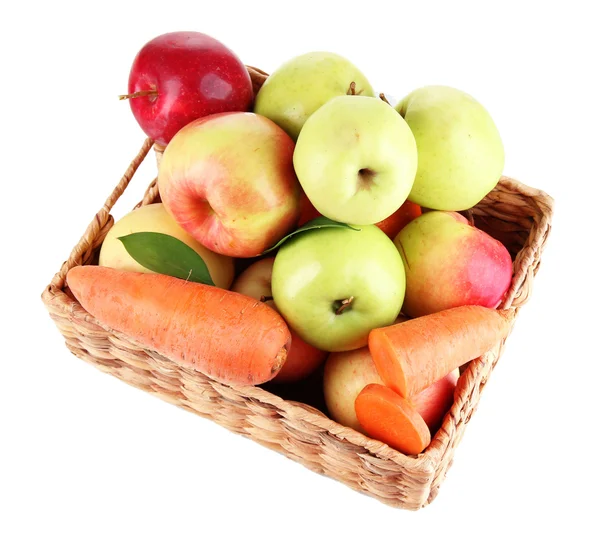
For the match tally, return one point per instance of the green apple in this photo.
(334, 285)
(303, 84)
(356, 160)
(461, 156)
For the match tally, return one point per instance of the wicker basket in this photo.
(516, 214)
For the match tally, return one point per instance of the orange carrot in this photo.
(393, 224)
(411, 356)
(388, 417)
(225, 335)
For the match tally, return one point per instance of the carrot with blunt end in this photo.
(230, 337)
(388, 417)
(413, 355)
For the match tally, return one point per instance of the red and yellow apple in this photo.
(302, 358)
(347, 373)
(228, 180)
(450, 263)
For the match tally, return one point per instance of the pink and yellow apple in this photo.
(450, 263)
(347, 373)
(229, 181)
(302, 358)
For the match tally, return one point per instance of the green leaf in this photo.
(167, 255)
(318, 223)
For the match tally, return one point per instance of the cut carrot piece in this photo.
(413, 355)
(388, 417)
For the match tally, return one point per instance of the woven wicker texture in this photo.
(516, 214)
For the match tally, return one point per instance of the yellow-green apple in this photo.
(356, 160)
(333, 285)
(302, 358)
(303, 84)
(450, 263)
(461, 156)
(229, 181)
(348, 373)
(154, 218)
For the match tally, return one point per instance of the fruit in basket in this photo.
(348, 373)
(356, 160)
(228, 180)
(449, 263)
(154, 218)
(229, 337)
(302, 358)
(180, 76)
(303, 84)
(333, 285)
(461, 156)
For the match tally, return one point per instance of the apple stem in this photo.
(266, 298)
(352, 89)
(344, 305)
(383, 98)
(144, 93)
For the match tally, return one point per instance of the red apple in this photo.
(228, 180)
(180, 76)
(302, 358)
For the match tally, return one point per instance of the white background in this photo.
(82, 453)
